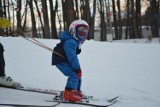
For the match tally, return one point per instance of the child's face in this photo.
(82, 33)
(83, 30)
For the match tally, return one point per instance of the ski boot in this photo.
(71, 95)
(80, 94)
(7, 81)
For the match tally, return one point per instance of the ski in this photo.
(27, 105)
(37, 90)
(86, 103)
(89, 101)
(105, 99)
(60, 97)
(112, 99)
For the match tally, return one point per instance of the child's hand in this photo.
(79, 74)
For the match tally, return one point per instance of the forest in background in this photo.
(46, 18)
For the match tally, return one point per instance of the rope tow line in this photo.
(33, 40)
(4, 23)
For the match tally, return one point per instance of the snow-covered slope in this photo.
(125, 68)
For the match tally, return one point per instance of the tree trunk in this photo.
(5, 15)
(45, 19)
(92, 21)
(18, 9)
(103, 22)
(13, 27)
(77, 10)
(25, 16)
(138, 18)
(1, 9)
(119, 20)
(109, 23)
(39, 15)
(53, 19)
(64, 15)
(9, 18)
(34, 30)
(70, 12)
(115, 20)
(128, 24)
(87, 13)
(154, 17)
(4, 9)
(1, 15)
(134, 33)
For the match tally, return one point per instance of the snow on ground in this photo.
(128, 68)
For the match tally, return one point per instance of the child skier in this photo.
(65, 58)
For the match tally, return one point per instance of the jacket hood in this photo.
(65, 35)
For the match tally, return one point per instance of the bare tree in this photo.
(70, 12)
(77, 10)
(133, 14)
(80, 9)
(103, 24)
(53, 19)
(92, 21)
(119, 20)
(34, 30)
(18, 15)
(64, 15)
(4, 9)
(25, 16)
(154, 17)
(12, 30)
(9, 17)
(1, 15)
(39, 15)
(128, 22)
(115, 20)
(86, 10)
(45, 19)
(138, 18)
(1, 9)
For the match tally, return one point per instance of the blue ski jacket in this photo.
(66, 51)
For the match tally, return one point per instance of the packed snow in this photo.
(129, 69)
